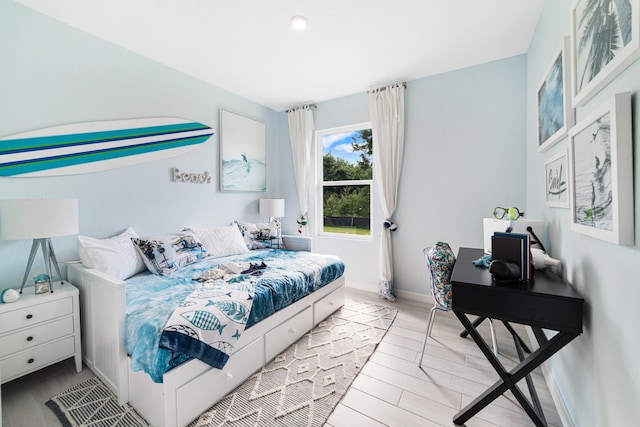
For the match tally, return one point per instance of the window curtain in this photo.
(387, 122)
(301, 134)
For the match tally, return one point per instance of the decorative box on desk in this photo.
(39, 330)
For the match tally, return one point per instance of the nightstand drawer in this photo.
(36, 358)
(31, 337)
(16, 319)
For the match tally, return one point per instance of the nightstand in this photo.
(39, 330)
(297, 243)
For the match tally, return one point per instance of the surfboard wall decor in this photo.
(95, 146)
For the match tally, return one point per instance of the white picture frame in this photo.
(590, 73)
(556, 177)
(243, 153)
(601, 173)
(555, 112)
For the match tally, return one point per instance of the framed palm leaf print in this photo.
(604, 42)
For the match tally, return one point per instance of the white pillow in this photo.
(221, 241)
(116, 256)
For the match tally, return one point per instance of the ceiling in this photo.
(248, 48)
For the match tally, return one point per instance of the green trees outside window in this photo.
(347, 174)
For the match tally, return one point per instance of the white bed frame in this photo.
(189, 389)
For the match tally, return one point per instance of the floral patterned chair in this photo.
(440, 261)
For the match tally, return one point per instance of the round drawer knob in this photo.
(30, 360)
(29, 316)
(331, 303)
(293, 330)
(229, 376)
(29, 338)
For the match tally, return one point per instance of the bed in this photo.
(186, 390)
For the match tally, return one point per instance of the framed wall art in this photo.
(601, 173)
(555, 113)
(242, 153)
(556, 175)
(605, 40)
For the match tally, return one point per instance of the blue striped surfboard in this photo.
(95, 146)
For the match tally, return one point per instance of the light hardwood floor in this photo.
(390, 391)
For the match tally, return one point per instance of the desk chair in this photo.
(440, 261)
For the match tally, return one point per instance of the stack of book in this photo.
(514, 248)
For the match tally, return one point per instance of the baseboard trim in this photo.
(563, 413)
(412, 296)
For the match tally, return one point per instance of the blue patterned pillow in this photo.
(165, 254)
(261, 236)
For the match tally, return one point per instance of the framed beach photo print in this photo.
(601, 173)
(243, 153)
(555, 113)
(556, 175)
(604, 42)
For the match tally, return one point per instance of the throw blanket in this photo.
(152, 299)
(210, 321)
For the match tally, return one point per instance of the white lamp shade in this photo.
(38, 218)
(272, 208)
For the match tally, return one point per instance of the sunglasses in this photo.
(512, 214)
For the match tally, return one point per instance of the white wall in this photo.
(53, 74)
(597, 374)
(464, 155)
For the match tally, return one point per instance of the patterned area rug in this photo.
(300, 387)
(91, 403)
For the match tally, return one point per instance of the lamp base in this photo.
(279, 236)
(49, 255)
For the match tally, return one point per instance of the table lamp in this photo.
(273, 209)
(40, 220)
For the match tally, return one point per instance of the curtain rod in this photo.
(380, 89)
(301, 107)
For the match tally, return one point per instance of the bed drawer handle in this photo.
(229, 376)
(31, 360)
(331, 303)
(29, 338)
(29, 316)
(293, 331)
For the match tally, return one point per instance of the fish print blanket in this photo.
(209, 322)
(152, 299)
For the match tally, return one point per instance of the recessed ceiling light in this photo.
(298, 22)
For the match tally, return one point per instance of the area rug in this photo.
(300, 387)
(91, 403)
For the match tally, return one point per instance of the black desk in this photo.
(545, 302)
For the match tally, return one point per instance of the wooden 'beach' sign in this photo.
(95, 146)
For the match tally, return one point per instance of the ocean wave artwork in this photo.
(593, 175)
(551, 103)
(243, 153)
(244, 174)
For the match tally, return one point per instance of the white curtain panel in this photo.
(301, 134)
(387, 119)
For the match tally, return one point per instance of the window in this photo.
(345, 174)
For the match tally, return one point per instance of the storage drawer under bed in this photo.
(190, 399)
(328, 304)
(281, 337)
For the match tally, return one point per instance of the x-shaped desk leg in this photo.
(508, 380)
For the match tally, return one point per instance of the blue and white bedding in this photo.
(152, 299)
(208, 324)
